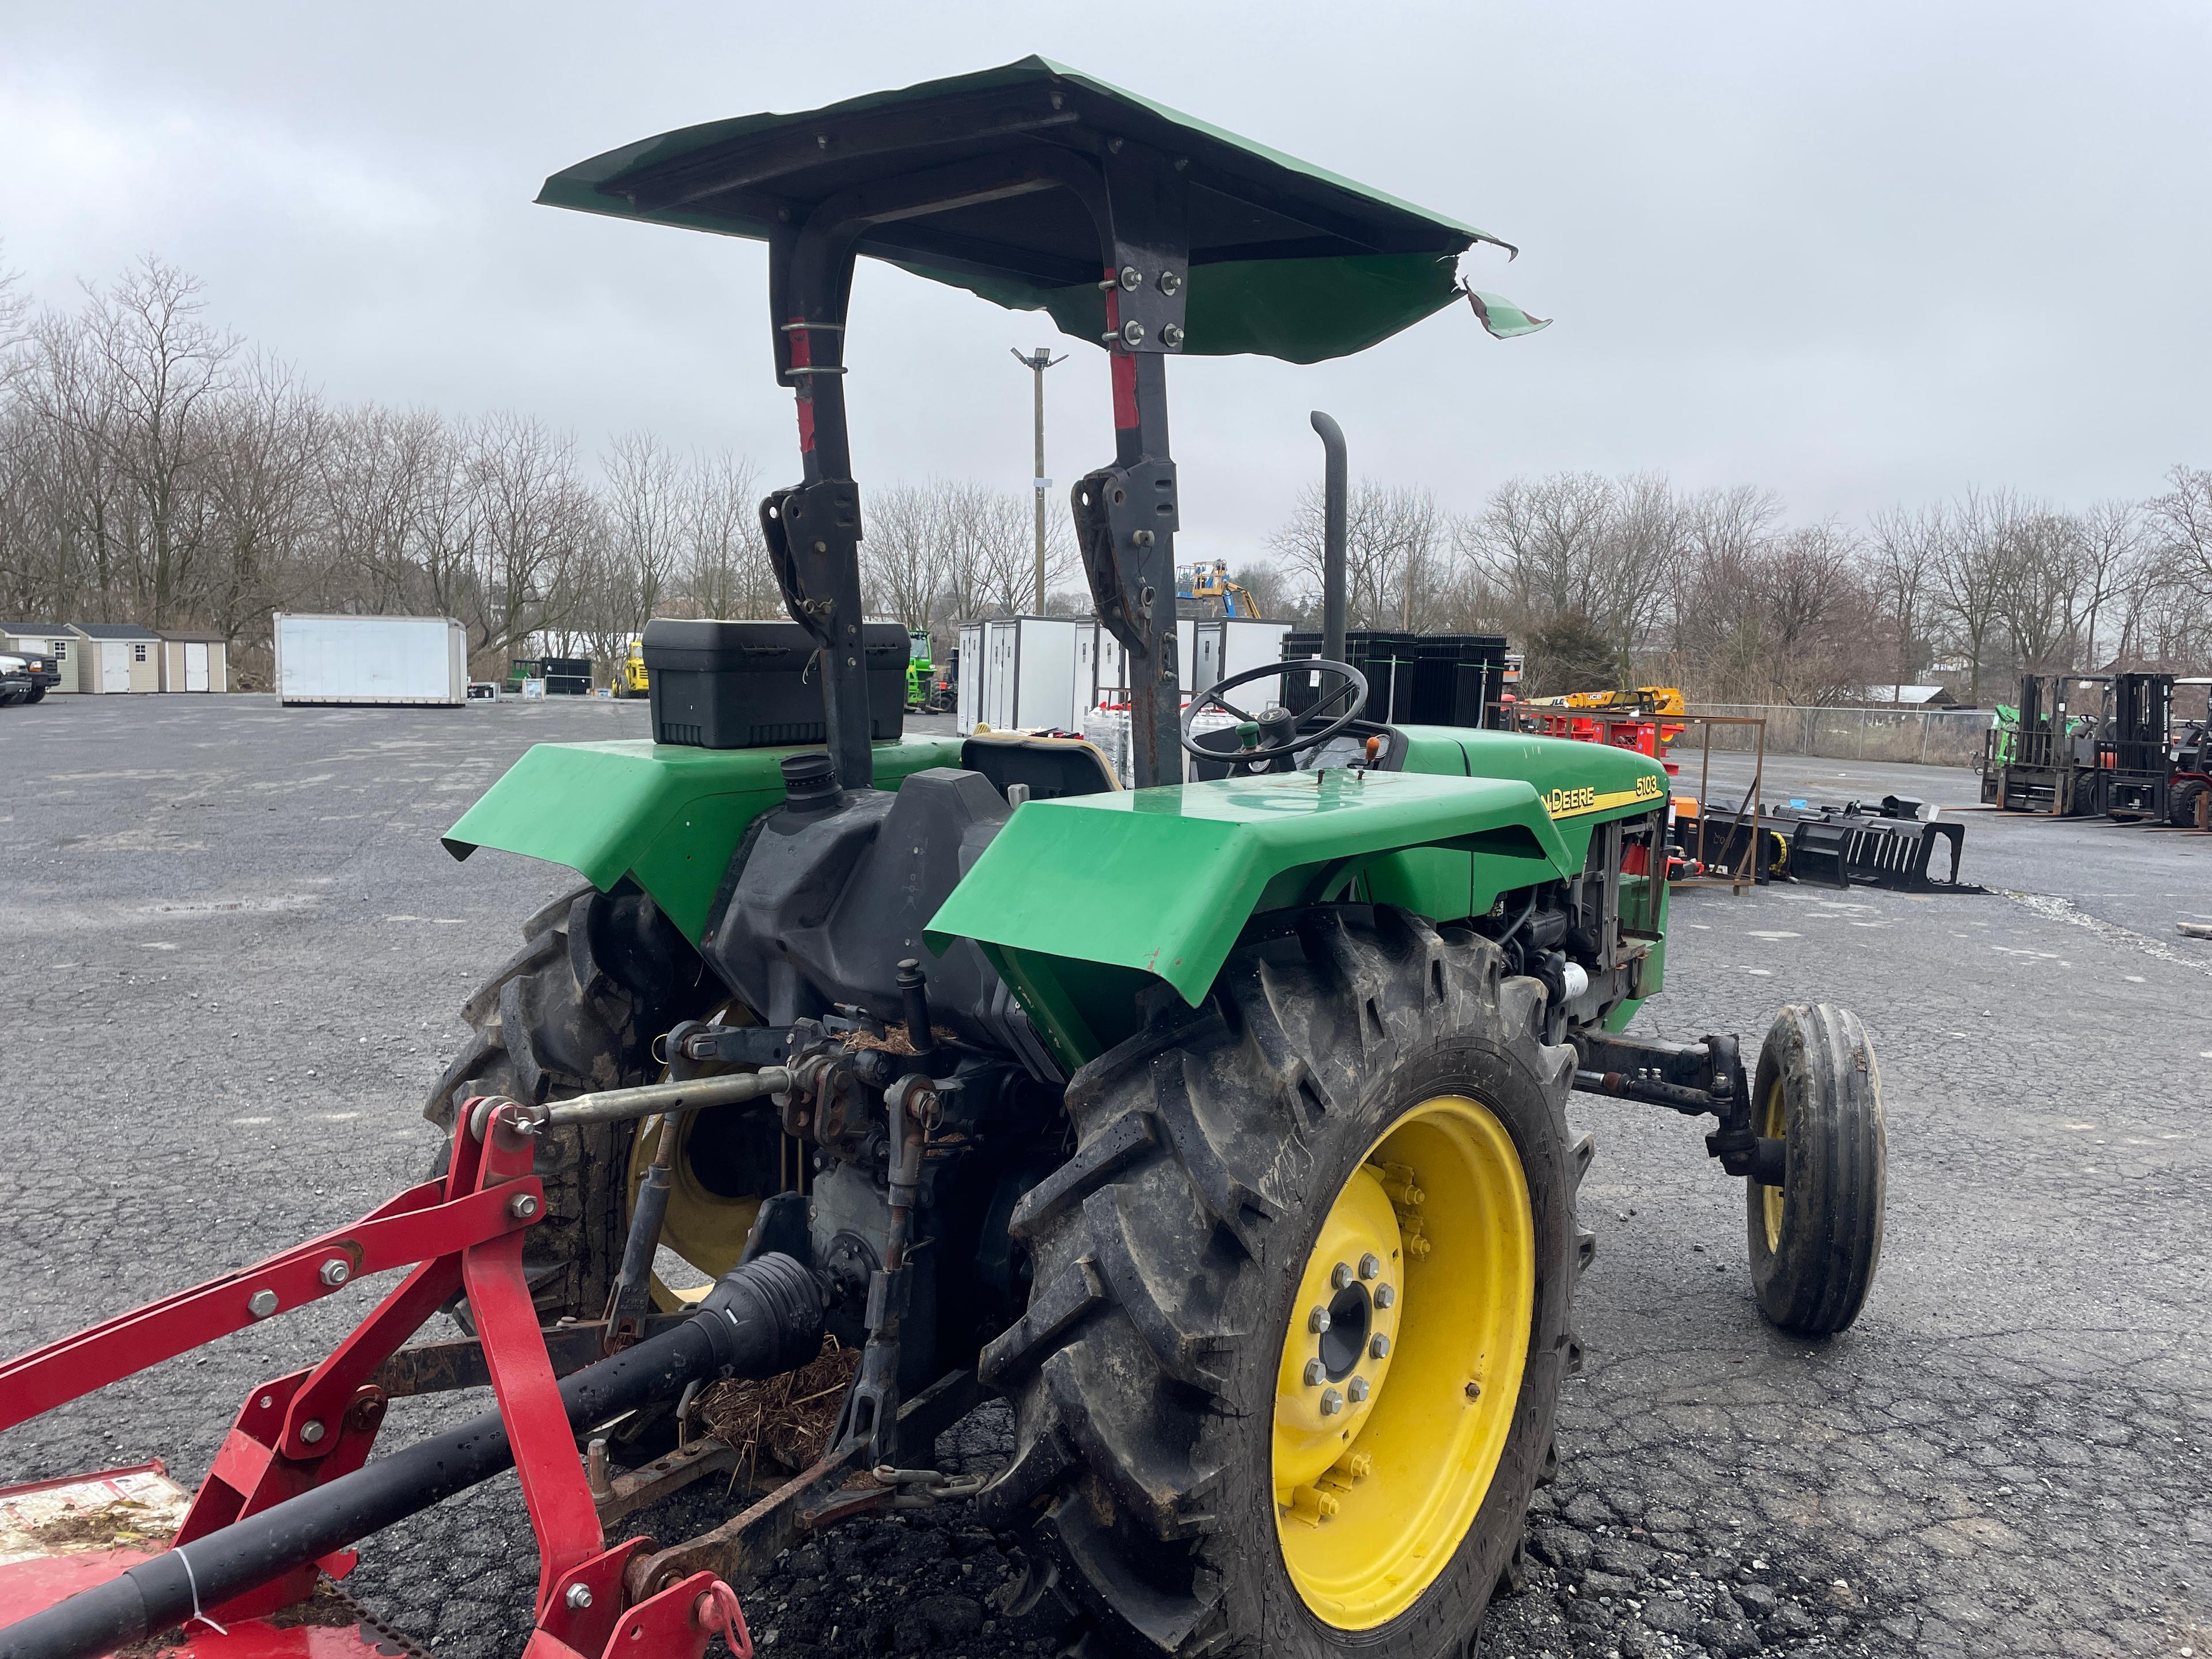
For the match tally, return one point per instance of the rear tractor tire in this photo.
(1816, 1241)
(1302, 1306)
(600, 978)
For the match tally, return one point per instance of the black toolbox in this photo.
(756, 685)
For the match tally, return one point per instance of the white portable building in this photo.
(1018, 673)
(116, 657)
(53, 639)
(1223, 646)
(421, 661)
(195, 662)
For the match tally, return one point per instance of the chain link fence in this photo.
(1926, 737)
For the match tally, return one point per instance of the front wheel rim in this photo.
(1393, 1411)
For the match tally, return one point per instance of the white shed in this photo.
(116, 657)
(195, 662)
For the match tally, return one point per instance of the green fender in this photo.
(1082, 902)
(668, 816)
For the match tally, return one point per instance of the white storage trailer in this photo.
(1032, 672)
(417, 660)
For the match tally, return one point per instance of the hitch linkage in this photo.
(1690, 1077)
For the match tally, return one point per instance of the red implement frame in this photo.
(295, 1432)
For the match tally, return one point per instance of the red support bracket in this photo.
(294, 1432)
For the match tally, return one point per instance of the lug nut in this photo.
(1341, 1275)
(1317, 1321)
(312, 1430)
(1386, 1296)
(261, 1303)
(336, 1272)
(522, 1206)
(1316, 1373)
(1370, 1266)
(1357, 1389)
(579, 1597)
(1332, 1402)
(1379, 1348)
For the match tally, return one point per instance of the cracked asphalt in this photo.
(237, 949)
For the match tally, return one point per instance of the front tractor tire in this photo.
(1816, 1240)
(1302, 1306)
(599, 978)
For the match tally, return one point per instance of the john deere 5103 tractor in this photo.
(1219, 1125)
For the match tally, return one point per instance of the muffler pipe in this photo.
(1335, 488)
(760, 1320)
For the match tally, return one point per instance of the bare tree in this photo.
(531, 518)
(266, 443)
(165, 370)
(1398, 553)
(1902, 558)
(2182, 520)
(727, 573)
(2112, 558)
(644, 508)
(1970, 577)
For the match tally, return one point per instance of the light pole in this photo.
(1037, 363)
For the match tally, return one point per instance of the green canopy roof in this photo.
(1287, 259)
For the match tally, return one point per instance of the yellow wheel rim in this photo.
(1770, 1198)
(1391, 1413)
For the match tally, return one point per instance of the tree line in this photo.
(155, 469)
(1616, 581)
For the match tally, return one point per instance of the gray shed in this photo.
(195, 662)
(116, 657)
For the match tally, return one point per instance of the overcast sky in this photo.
(1860, 253)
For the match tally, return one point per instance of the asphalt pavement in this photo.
(238, 950)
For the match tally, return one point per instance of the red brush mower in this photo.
(292, 1486)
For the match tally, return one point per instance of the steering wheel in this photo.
(1273, 734)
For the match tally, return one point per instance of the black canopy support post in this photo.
(813, 528)
(1126, 515)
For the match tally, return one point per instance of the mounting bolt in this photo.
(578, 1598)
(1171, 334)
(261, 1303)
(522, 1205)
(1170, 281)
(1317, 1321)
(312, 1430)
(1386, 1296)
(1339, 1276)
(1132, 278)
(1357, 1389)
(336, 1272)
(1132, 332)
(1332, 1402)
(1380, 1348)
(1316, 1373)
(1370, 1266)
(1474, 1391)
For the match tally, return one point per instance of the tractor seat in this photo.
(1051, 767)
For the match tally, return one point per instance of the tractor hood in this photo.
(1287, 259)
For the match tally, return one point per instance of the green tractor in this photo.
(920, 671)
(1219, 1126)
